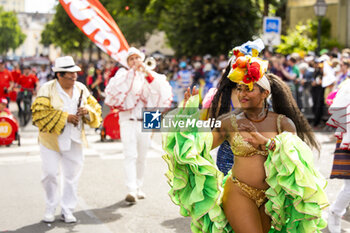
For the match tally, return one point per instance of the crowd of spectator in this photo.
(304, 74)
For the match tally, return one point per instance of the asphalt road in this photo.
(101, 207)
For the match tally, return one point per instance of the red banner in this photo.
(96, 23)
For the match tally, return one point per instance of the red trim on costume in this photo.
(149, 78)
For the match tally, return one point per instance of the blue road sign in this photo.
(272, 25)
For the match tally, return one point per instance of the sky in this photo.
(42, 6)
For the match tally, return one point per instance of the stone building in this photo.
(338, 12)
(13, 5)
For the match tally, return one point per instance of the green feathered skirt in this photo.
(296, 195)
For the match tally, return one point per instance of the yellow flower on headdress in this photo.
(255, 52)
(247, 70)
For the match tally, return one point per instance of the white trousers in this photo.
(71, 163)
(135, 147)
(343, 200)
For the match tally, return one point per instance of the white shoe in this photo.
(334, 225)
(49, 217)
(130, 198)
(68, 218)
(141, 194)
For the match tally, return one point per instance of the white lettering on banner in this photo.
(80, 11)
(89, 20)
(102, 36)
(118, 56)
(94, 24)
(101, 47)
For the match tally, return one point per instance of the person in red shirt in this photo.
(5, 112)
(6, 81)
(16, 73)
(28, 83)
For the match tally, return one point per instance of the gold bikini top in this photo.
(243, 148)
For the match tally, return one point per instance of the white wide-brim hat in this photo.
(65, 64)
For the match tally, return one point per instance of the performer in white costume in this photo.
(59, 111)
(131, 90)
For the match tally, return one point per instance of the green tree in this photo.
(62, 32)
(192, 26)
(326, 40)
(304, 37)
(133, 20)
(201, 27)
(11, 36)
(297, 40)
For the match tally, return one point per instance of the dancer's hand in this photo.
(188, 94)
(256, 139)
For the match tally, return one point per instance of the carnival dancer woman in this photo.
(273, 185)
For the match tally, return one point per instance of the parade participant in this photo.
(184, 80)
(224, 101)
(4, 111)
(130, 91)
(60, 110)
(273, 185)
(43, 75)
(6, 81)
(28, 83)
(339, 119)
(96, 83)
(16, 73)
(317, 92)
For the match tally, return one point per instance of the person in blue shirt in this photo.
(184, 78)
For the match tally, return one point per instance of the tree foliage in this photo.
(326, 41)
(304, 37)
(11, 36)
(297, 40)
(192, 26)
(201, 27)
(62, 32)
(132, 20)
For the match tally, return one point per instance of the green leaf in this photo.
(11, 36)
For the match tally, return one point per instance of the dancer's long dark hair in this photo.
(222, 96)
(284, 103)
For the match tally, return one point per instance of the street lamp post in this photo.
(320, 8)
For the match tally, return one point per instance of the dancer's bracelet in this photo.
(271, 144)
